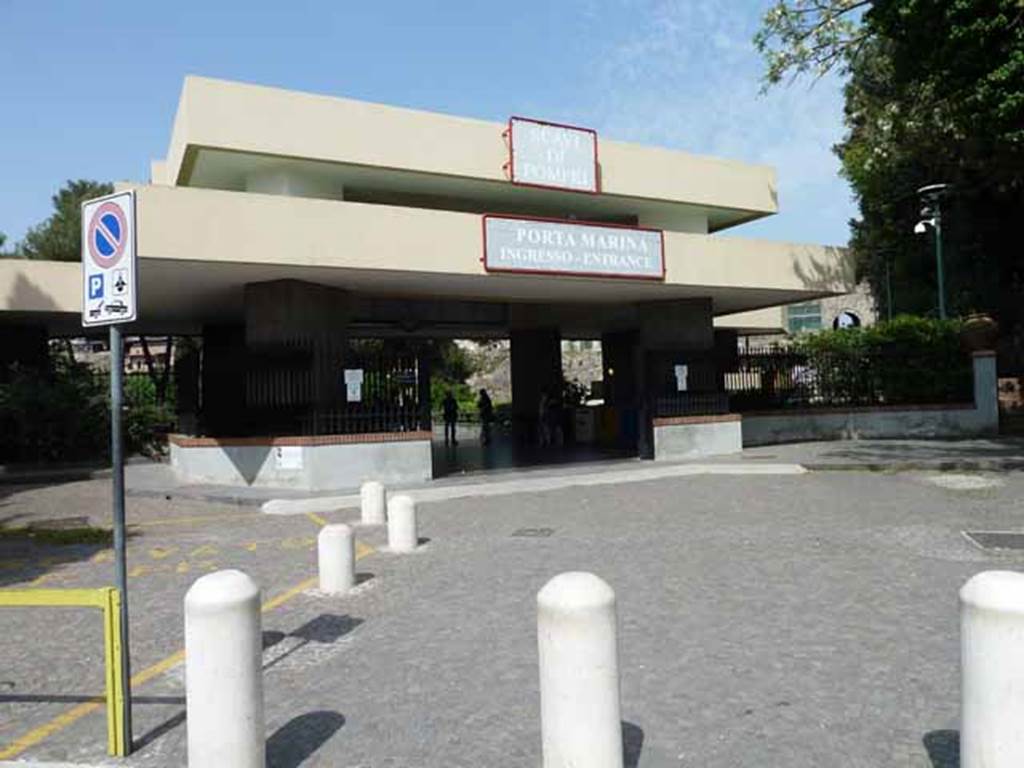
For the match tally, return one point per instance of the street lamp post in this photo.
(931, 196)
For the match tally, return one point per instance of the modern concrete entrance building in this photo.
(286, 229)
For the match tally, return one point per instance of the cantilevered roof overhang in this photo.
(225, 131)
(199, 247)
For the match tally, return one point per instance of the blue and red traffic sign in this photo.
(109, 260)
(108, 232)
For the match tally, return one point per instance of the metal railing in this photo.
(691, 404)
(107, 599)
(779, 379)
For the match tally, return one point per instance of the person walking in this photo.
(486, 410)
(451, 417)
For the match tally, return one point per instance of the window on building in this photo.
(803, 317)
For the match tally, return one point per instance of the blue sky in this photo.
(89, 89)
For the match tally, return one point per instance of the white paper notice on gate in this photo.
(682, 374)
(354, 385)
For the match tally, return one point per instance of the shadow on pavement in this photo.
(325, 628)
(926, 450)
(632, 744)
(943, 748)
(32, 548)
(165, 727)
(298, 739)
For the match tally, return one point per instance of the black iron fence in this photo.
(691, 404)
(774, 379)
(304, 389)
(373, 418)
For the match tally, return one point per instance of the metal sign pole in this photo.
(120, 557)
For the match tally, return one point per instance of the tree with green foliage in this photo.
(810, 37)
(935, 94)
(59, 238)
(451, 366)
(904, 360)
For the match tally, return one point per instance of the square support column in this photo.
(283, 314)
(536, 361)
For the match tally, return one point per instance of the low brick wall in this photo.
(317, 463)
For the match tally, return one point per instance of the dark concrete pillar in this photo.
(187, 387)
(222, 402)
(536, 362)
(284, 321)
(676, 332)
(622, 356)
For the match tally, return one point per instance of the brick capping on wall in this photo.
(187, 441)
(673, 421)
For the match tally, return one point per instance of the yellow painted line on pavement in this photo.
(284, 597)
(194, 519)
(76, 713)
(58, 723)
(159, 668)
(316, 519)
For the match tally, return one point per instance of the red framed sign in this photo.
(553, 155)
(581, 249)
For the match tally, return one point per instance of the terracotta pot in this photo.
(979, 332)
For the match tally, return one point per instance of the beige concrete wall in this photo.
(772, 320)
(244, 237)
(858, 301)
(40, 286)
(767, 320)
(271, 121)
(736, 261)
(232, 227)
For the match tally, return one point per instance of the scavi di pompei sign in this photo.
(558, 247)
(546, 154)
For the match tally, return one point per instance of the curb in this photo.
(11, 474)
(938, 465)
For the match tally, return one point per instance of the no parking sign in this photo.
(109, 260)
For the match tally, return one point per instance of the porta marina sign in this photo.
(558, 247)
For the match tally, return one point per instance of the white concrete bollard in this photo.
(402, 524)
(336, 558)
(992, 671)
(223, 672)
(371, 501)
(579, 673)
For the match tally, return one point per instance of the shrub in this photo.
(63, 414)
(905, 360)
(146, 421)
(57, 415)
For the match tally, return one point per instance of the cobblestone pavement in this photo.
(806, 620)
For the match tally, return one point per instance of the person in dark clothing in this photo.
(451, 417)
(486, 410)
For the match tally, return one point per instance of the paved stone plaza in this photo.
(764, 620)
